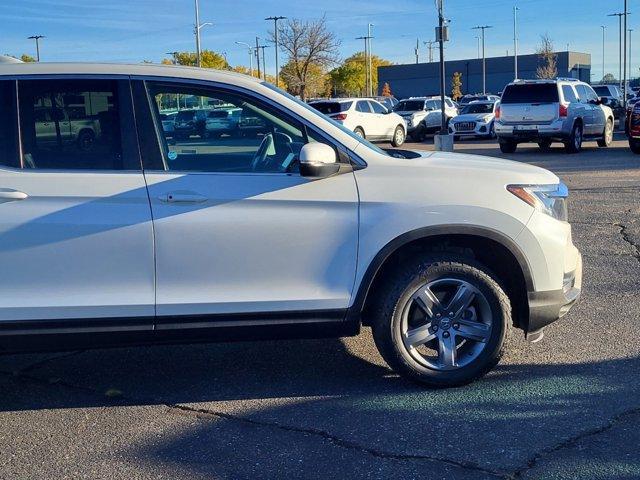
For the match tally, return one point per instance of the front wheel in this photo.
(359, 132)
(607, 135)
(443, 320)
(398, 137)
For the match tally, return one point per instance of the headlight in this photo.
(549, 199)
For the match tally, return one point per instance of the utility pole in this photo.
(441, 37)
(478, 44)
(515, 42)
(258, 56)
(370, 92)
(484, 67)
(630, 30)
(250, 49)
(429, 45)
(417, 51)
(37, 39)
(264, 62)
(366, 63)
(624, 66)
(603, 30)
(275, 35)
(197, 32)
(619, 15)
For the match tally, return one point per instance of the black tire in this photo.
(420, 134)
(574, 142)
(508, 146)
(634, 145)
(492, 131)
(402, 284)
(86, 140)
(607, 135)
(359, 131)
(397, 140)
(544, 145)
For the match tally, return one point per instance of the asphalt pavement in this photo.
(566, 407)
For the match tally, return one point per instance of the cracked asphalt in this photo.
(567, 407)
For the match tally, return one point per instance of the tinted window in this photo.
(478, 108)
(591, 95)
(237, 133)
(8, 118)
(433, 105)
(448, 102)
(70, 124)
(377, 108)
(568, 94)
(602, 90)
(330, 108)
(363, 107)
(409, 106)
(530, 93)
(582, 93)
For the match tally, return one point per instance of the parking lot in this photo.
(566, 407)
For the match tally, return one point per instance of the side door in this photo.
(432, 120)
(586, 110)
(76, 237)
(366, 118)
(599, 117)
(384, 126)
(237, 229)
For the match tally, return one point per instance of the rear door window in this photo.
(582, 94)
(363, 106)
(569, 94)
(9, 155)
(377, 108)
(530, 93)
(330, 108)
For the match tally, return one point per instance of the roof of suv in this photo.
(545, 80)
(144, 69)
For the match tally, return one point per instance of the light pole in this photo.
(197, 32)
(250, 49)
(477, 37)
(366, 62)
(417, 51)
(275, 34)
(630, 30)
(515, 42)
(484, 68)
(429, 45)
(37, 39)
(370, 92)
(624, 66)
(619, 15)
(264, 62)
(441, 37)
(603, 30)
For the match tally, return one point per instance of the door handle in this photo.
(182, 197)
(9, 195)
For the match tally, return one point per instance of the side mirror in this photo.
(318, 160)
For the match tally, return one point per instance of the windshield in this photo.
(409, 106)
(329, 108)
(602, 91)
(325, 118)
(478, 108)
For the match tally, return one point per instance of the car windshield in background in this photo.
(329, 108)
(185, 115)
(478, 108)
(530, 93)
(602, 91)
(409, 106)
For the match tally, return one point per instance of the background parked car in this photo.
(423, 114)
(612, 97)
(633, 130)
(223, 121)
(366, 118)
(190, 122)
(467, 99)
(475, 120)
(555, 110)
(388, 102)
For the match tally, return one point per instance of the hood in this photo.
(407, 113)
(471, 117)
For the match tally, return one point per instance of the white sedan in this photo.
(476, 119)
(367, 118)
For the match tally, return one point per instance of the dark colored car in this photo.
(190, 122)
(611, 96)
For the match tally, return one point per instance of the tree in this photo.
(208, 59)
(314, 84)
(547, 58)
(311, 47)
(350, 77)
(386, 90)
(27, 58)
(456, 85)
(609, 78)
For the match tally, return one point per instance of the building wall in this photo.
(413, 80)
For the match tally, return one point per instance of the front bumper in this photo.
(480, 130)
(548, 306)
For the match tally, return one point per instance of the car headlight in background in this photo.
(549, 199)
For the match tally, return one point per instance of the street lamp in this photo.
(603, 30)
(484, 71)
(37, 39)
(198, 27)
(275, 34)
(250, 49)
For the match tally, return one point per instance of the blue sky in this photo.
(136, 30)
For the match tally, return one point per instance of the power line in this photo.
(37, 39)
(275, 33)
(484, 69)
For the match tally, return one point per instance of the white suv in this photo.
(300, 229)
(367, 118)
(424, 114)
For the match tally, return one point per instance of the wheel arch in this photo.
(492, 248)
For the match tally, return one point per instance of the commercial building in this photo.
(418, 79)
